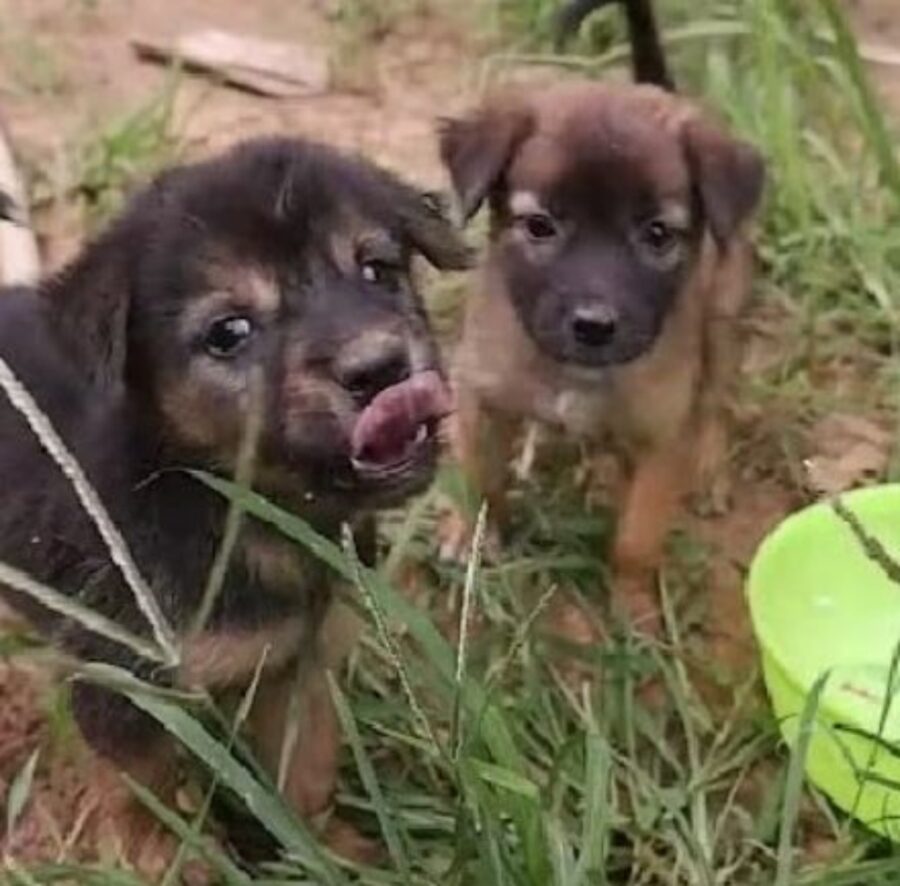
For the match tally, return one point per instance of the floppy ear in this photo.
(88, 300)
(729, 175)
(431, 232)
(88, 310)
(476, 150)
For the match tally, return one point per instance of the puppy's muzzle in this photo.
(372, 363)
(593, 326)
(402, 399)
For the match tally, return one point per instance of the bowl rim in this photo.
(830, 702)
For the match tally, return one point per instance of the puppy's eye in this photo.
(228, 335)
(539, 226)
(381, 273)
(660, 237)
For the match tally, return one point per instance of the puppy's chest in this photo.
(582, 411)
(270, 611)
(633, 403)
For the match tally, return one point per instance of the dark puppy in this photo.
(619, 258)
(282, 270)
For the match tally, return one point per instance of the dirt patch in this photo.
(412, 75)
(52, 823)
(877, 23)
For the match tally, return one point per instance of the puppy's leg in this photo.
(711, 475)
(308, 773)
(721, 366)
(306, 763)
(482, 444)
(659, 479)
(127, 740)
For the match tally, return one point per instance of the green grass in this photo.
(512, 755)
(99, 166)
(124, 151)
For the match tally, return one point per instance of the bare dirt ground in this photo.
(424, 70)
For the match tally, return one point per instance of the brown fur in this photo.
(662, 406)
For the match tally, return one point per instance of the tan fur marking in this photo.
(227, 658)
(188, 406)
(231, 288)
(274, 562)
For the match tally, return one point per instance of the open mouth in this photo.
(395, 435)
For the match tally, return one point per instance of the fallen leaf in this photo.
(851, 450)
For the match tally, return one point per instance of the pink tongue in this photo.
(391, 421)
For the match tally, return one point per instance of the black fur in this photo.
(647, 56)
(100, 344)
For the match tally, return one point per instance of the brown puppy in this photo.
(275, 278)
(619, 259)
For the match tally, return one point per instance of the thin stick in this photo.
(25, 404)
(472, 571)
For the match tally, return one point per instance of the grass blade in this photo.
(71, 608)
(386, 816)
(53, 444)
(268, 807)
(594, 834)
(793, 788)
(360, 579)
(188, 834)
(873, 119)
(394, 605)
(20, 791)
(472, 571)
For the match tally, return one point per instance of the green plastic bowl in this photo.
(818, 604)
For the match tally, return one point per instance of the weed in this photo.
(33, 65)
(125, 150)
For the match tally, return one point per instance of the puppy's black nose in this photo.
(373, 369)
(594, 326)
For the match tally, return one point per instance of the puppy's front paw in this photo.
(135, 837)
(634, 599)
(344, 840)
(715, 499)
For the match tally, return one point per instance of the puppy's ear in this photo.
(431, 232)
(477, 149)
(729, 175)
(88, 300)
